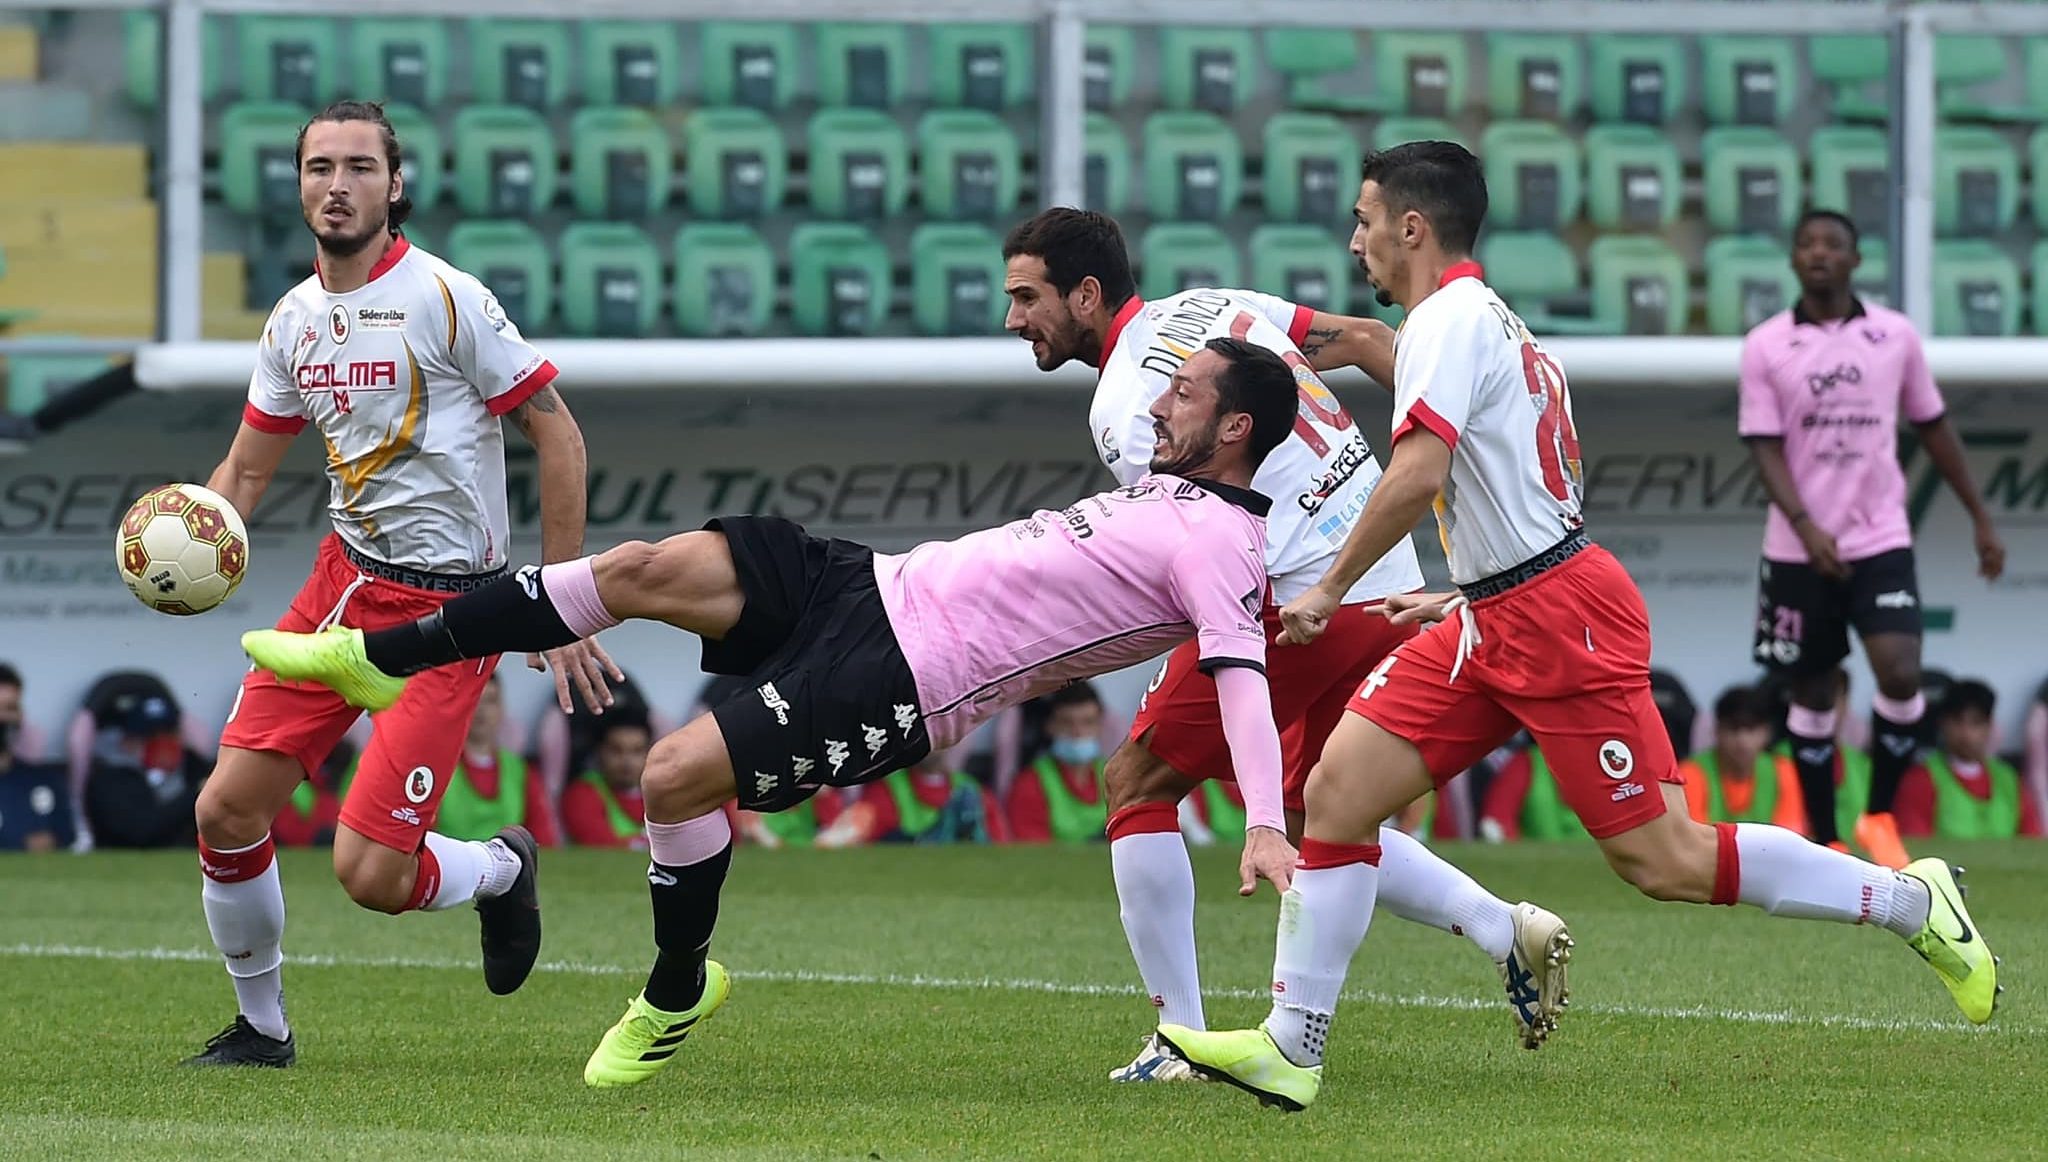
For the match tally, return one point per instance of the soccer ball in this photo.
(182, 549)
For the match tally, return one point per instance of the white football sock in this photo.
(246, 919)
(1420, 885)
(1323, 919)
(1155, 888)
(1786, 875)
(470, 870)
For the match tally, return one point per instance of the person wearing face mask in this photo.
(35, 812)
(1058, 798)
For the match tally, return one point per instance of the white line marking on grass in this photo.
(1026, 985)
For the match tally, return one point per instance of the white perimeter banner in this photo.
(1669, 488)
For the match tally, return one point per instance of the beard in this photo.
(348, 244)
(1188, 459)
(1070, 341)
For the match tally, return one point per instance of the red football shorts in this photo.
(1566, 654)
(413, 748)
(1310, 686)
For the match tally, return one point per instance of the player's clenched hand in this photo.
(1267, 856)
(1990, 552)
(1304, 619)
(584, 665)
(1411, 608)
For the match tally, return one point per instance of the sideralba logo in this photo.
(1616, 760)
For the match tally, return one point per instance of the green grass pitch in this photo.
(901, 1004)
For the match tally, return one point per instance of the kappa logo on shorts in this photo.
(800, 768)
(764, 783)
(835, 753)
(529, 580)
(419, 785)
(875, 737)
(1896, 599)
(773, 699)
(906, 718)
(1616, 760)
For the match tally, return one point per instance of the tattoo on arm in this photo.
(544, 401)
(1319, 338)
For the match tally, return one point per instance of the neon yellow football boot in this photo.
(333, 657)
(1249, 1060)
(645, 1038)
(1951, 944)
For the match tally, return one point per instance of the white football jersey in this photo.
(1467, 369)
(405, 377)
(1318, 478)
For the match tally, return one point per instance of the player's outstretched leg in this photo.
(1674, 858)
(688, 779)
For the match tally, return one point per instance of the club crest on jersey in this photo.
(337, 323)
(493, 313)
(1110, 455)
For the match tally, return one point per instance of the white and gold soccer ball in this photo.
(182, 549)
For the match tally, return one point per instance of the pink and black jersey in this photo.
(1834, 391)
(1003, 615)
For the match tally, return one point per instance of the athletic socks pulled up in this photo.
(538, 608)
(1323, 919)
(689, 861)
(1894, 744)
(1155, 892)
(1813, 756)
(244, 905)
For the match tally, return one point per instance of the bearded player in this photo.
(1072, 297)
(1547, 632)
(406, 366)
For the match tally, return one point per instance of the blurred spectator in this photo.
(1212, 813)
(1059, 797)
(1738, 779)
(2036, 751)
(314, 810)
(1959, 789)
(602, 806)
(563, 744)
(926, 804)
(1675, 706)
(35, 808)
(1522, 802)
(493, 788)
(143, 780)
(1852, 762)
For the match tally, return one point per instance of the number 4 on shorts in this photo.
(1378, 677)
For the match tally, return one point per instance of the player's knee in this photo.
(228, 820)
(627, 569)
(371, 885)
(674, 785)
(1135, 775)
(1898, 678)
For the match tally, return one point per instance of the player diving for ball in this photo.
(862, 663)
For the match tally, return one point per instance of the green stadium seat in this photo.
(1302, 264)
(1852, 174)
(504, 161)
(142, 56)
(1110, 55)
(1311, 171)
(1540, 278)
(1638, 78)
(956, 280)
(1976, 289)
(611, 280)
(725, 280)
(1420, 74)
(400, 60)
(295, 59)
(2037, 164)
(862, 65)
(983, 66)
(1193, 166)
(631, 62)
(519, 62)
(422, 159)
(1752, 180)
(839, 280)
(1639, 286)
(1872, 280)
(1392, 131)
(1976, 181)
(1532, 175)
(1176, 256)
(2036, 52)
(259, 148)
(1748, 80)
(1632, 177)
(1856, 68)
(860, 164)
(1205, 68)
(620, 163)
(1748, 281)
(1961, 63)
(1106, 166)
(1535, 77)
(735, 163)
(1308, 57)
(748, 63)
(511, 259)
(967, 165)
(33, 379)
(2040, 283)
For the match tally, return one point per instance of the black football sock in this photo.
(1813, 755)
(685, 910)
(509, 616)
(1894, 744)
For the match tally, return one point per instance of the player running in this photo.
(1072, 297)
(863, 663)
(1823, 385)
(406, 365)
(1547, 631)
